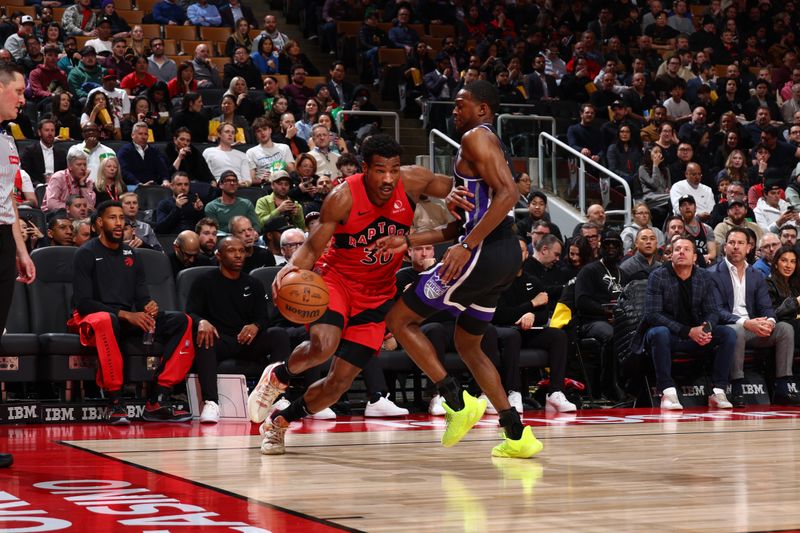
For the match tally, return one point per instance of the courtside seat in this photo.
(18, 347)
(149, 197)
(51, 308)
(184, 283)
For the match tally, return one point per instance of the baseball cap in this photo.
(313, 215)
(88, 50)
(227, 174)
(687, 198)
(617, 103)
(611, 236)
(26, 19)
(732, 203)
(110, 74)
(279, 175)
(104, 20)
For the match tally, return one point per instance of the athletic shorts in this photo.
(472, 297)
(358, 311)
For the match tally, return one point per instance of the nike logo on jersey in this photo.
(245, 295)
(362, 213)
(98, 258)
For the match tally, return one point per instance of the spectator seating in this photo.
(18, 347)
(150, 197)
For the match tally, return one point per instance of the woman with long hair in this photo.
(108, 184)
(729, 99)
(141, 111)
(668, 142)
(656, 182)
(323, 97)
(310, 117)
(266, 57)
(783, 285)
(625, 156)
(139, 45)
(229, 113)
(61, 110)
(732, 140)
(735, 167)
(108, 123)
(579, 254)
(184, 82)
(246, 107)
(53, 35)
(291, 55)
(239, 37)
(191, 116)
(303, 179)
(279, 107)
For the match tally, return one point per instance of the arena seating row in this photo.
(38, 337)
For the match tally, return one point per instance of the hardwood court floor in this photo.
(632, 470)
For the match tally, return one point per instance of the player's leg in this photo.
(345, 367)
(320, 346)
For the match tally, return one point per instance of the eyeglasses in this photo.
(290, 245)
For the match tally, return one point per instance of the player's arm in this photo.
(335, 210)
(397, 244)
(419, 181)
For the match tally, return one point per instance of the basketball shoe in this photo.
(526, 446)
(669, 400)
(260, 401)
(274, 438)
(460, 422)
(118, 413)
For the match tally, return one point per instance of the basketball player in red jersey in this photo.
(360, 280)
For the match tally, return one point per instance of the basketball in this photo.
(303, 297)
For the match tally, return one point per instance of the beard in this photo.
(109, 236)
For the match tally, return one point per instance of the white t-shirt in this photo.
(99, 153)
(219, 161)
(676, 110)
(265, 159)
(27, 184)
(99, 45)
(703, 195)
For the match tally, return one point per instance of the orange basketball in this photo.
(303, 297)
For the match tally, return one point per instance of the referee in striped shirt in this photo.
(15, 263)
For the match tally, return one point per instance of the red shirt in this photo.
(366, 224)
(132, 82)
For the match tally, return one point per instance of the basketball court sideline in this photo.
(620, 470)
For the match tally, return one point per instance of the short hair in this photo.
(8, 72)
(116, 40)
(126, 195)
(261, 122)
(236, 219)
(45, 120)
(787, 226)
(180, 174)
(381, 145)
(736, 229)
(54, 220)
(485, 93)
(51, 49)
(537, 194)
(346, 159)
(541, 224)
(546, 240)
(297, 66)
(75, 155)
(71, 199)
(207, 221)
(222, 126)
(646, 228)
(687, 239)
(285, 233)
(337, 62)
(182, 129)
(591, 225)
(101, 209)
(141, 124)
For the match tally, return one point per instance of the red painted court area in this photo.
(57, 485)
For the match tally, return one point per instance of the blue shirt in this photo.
(762, 266)
(207, 15)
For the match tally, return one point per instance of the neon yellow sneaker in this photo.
(526, 446)
(460, 422)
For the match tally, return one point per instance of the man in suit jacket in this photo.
(540, 86)
(746, 307)
(340, 89)
(234, 11)
(142, 164)
(33, 160)
(681, 315)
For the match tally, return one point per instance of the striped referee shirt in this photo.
(9, 166)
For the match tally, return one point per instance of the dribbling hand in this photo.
(276, 285)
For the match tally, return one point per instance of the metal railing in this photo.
(582, 161)
(431, 152)
(392, 114)
(535, 118)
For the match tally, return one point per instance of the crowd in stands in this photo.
(696, 107)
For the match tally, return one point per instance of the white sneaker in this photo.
(435, 407)
(382, 408)
(718, 400)
(515, 399)
(558, 403)
(274, 438)
(490, 410)
(210, 413)
(325, 414)
(280, 405)
(669, 400)
(260, 401)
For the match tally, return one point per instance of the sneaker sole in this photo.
(186, 418)
(256, 411)
(273, 451)
(535, 447)
(120, 422)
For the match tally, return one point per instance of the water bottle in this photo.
(149, 336)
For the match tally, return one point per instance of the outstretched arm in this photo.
(419, 180)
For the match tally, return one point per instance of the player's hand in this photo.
(526, 321)
(26, 269)
(276, 285)
(391, 244)
(206, 334)
(139, 319)
(453, 263)
(457, 199)
(248, 333)
(151, 308)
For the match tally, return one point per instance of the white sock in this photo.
(669, 390)
(717, 391)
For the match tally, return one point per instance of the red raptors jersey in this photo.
(348, 255)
